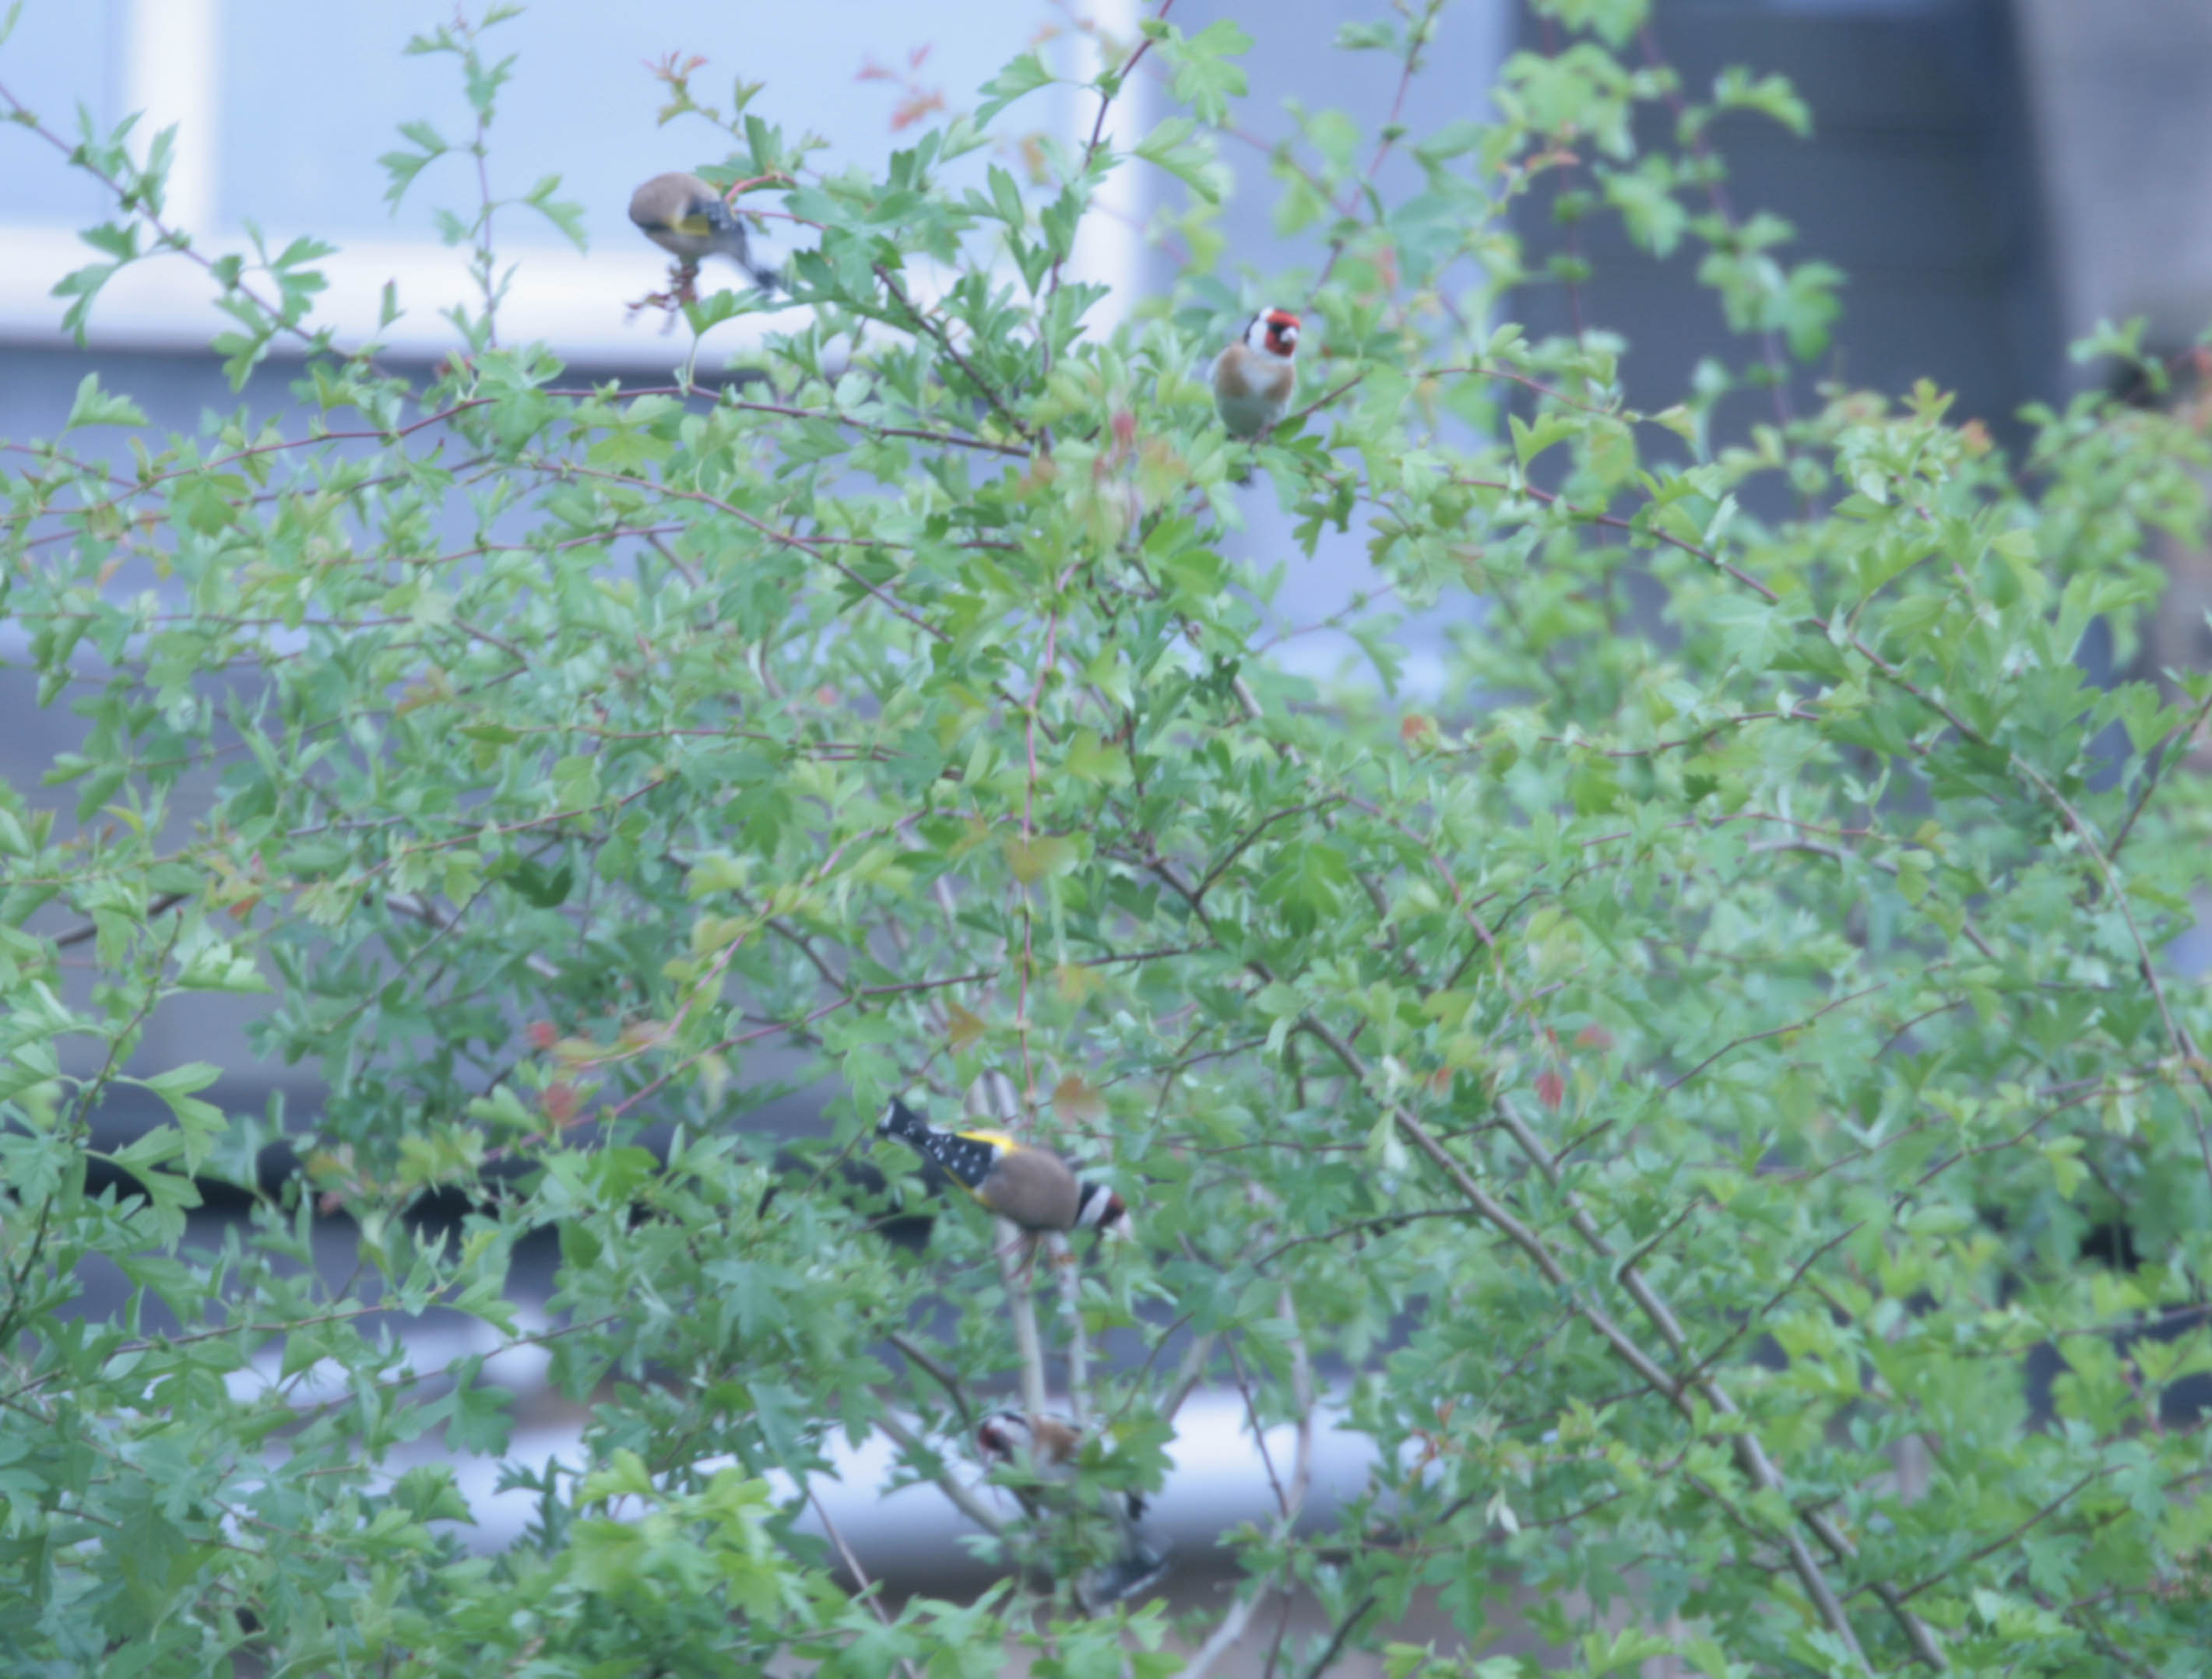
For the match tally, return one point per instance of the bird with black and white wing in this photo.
(1024, 1184)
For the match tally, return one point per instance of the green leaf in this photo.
(96, 407)
(1371, 37)
(1006, 199)
(1022, 74)
(1168, 145)
(1041, 857)
(1615, 21)
(1205, 79)
(566, 214)
(1737, 90)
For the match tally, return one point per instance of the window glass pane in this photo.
(62, 55)
(300, 150)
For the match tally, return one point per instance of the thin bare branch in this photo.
(1224, 1635)
(1068, 1272)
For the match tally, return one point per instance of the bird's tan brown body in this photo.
(1033, 1187)
(1254, 378)
(676, 212)
(1249, 375)
(1051, 1444)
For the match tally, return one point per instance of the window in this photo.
(282, 112)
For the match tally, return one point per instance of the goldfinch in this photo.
(692, 221)
(1253, 378)
(1040, 1452)
(1031, 1186)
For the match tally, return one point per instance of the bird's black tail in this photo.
(1142, 1565)
(730, 226)
(908, 1126)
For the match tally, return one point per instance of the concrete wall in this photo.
(1917, 181)
(2121, 95)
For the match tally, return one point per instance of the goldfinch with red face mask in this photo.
(1025, 1184)
(1037, 1453)
(1253, 380)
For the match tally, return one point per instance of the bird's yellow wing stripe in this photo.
(996, 1139)
(693, 226)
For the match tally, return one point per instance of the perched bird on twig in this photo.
(1029, 1186)
(692, 222)
(1040, 1452)
(1254, 378)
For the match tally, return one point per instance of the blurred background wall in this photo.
(1994, 176)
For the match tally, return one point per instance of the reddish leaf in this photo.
(916, 105)
(962, 1028)
(1075, 1101)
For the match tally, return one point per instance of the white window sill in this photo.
(573, 301)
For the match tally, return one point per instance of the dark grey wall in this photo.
(1919, 182)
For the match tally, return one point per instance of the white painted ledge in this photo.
(576, 302)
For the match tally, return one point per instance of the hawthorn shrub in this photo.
(1654, 1088)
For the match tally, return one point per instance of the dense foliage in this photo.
(1657, 1087)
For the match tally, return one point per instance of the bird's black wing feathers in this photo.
(969, 1160)
(964, 1157)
